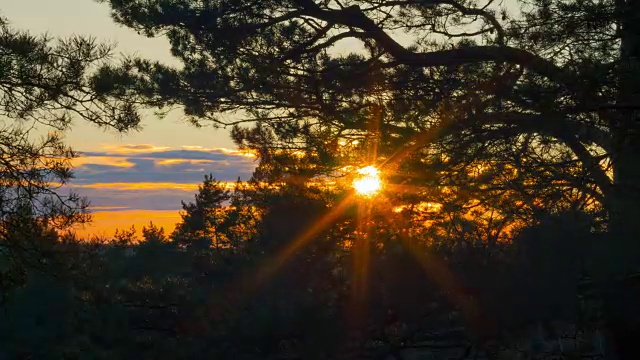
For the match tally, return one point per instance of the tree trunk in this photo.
(622, 257)
(625, 214)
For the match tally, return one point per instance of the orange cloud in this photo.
(102, 160)
(146, 148)
(238, 152)
(133, 148)
(149, 186)
(140, 186)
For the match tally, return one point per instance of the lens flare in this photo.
(368, 182)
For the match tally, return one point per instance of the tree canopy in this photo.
(506, 134)
(45, 84)
(500, 111)
(531, 100)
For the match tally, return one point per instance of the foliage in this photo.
(263, 300)
(200, 219)
(499, 115)
(484, 104)
(508, 146)
(45, 84)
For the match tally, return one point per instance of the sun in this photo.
(367, 183)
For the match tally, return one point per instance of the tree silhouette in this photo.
(545, 100)
(152, 234)
(202, 217)
(44, 85)
(543, 96)
(518, 126)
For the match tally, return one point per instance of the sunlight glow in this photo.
(368, 182)
(107, 219)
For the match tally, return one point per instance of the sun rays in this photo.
(369, 181)
(271, 267)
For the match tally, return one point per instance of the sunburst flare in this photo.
(368, 182)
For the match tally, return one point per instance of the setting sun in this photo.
(368, 182)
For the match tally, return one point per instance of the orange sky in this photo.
(135, 189)
(105, 222)
(133, 184)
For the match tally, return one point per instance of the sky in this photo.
(140, 176)
(132, 178)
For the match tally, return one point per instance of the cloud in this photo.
(185, 152)
(125, 186)
(101, 160)
(120, 198)
(213, 155)
(133, 148)
(148, 177)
